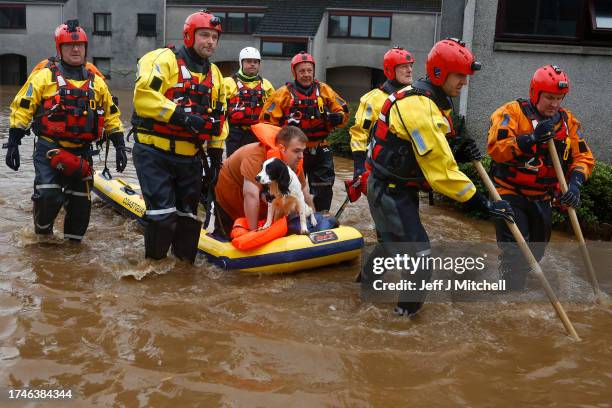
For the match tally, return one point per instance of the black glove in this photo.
(335, 118)
(467, 151)
(542, 134)
(359, 159)
(496, 209)
(572, 196)
(120, 150)
(12, 153)
(216, 157)
(193, 123)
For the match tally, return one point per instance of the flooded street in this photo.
(117, 330)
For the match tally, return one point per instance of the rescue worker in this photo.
(397, 67)
(317, 109)
(409, 152)
(179, 104)
(522, 168)
(237, 192)
(246, 93)
(69, 107)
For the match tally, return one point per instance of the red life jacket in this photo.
(392, 158)
(244, 107)
(194, 97)
(71, 114)
(307, 112)
(535, 175)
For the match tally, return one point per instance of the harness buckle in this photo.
(53, 152)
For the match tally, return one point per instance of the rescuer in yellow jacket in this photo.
(68, 107)
(397, 67)
(179, 105)
(317, 109)
(522, 168)
(246, 93)
(409, 152)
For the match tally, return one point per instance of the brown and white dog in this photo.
(286, 189)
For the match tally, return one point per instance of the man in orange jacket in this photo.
(237, 193)
(522, 168)
(317, 109)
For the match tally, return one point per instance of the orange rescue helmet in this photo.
(195, 21)
(448, 56)
(303, 56)
(394, 57)
(69, 32)
(549, 78)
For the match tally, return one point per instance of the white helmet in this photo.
(249, 53)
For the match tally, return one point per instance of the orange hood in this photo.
(266, 134)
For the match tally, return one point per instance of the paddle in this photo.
(535, 267)
(574, 221)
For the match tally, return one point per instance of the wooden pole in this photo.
(574, 221)
(535, 267)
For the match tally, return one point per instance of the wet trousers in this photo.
(319, 168)
(53, 190)
(171, 187)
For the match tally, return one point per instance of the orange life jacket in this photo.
(72, 113)
(308, 112)
(535, 175)
(244, 107)
(266, 134)
(245, 240)
(194, 97)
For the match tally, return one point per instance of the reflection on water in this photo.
(119, 330)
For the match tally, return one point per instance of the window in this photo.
(147, 26)
(601, 16)
(103, 65)
(102, 24)
(573, 22)
(12, 16)
(239, 22)
(282, 48)
(360, 25)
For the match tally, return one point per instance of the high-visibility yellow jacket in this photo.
(418, 121)
(365, 118)
(42, 85)
(158, 71)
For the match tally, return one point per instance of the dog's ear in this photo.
(274, 168)
(283, 179)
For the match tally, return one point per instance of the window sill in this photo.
(13, 30)
(146, 34)
(552, 48)
(102, 33)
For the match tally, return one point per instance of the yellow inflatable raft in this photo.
(288, 254)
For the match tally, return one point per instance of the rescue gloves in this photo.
(541, 134)
(496, 209)
(359, 159)
(335, 118)
(572, 196)
(120, 150)
(12, 153)
(467, 151)
(194, 123)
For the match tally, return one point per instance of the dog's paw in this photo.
(313, 221)
(304, 231)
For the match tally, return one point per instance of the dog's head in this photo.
(275, 170)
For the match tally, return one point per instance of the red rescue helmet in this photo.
(303, 56)
(69, 32)
(394, 57)
(195, 21)
(448, 56)
(549, 78)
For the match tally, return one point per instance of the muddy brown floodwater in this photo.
(117, 330)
